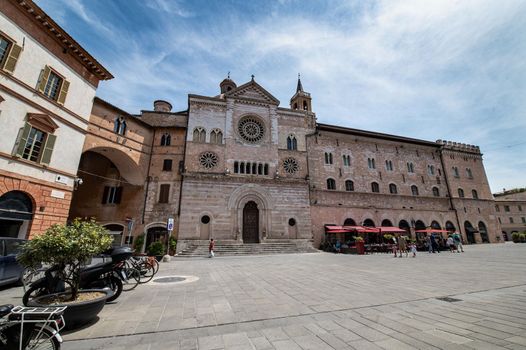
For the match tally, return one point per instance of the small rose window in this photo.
(251, 129)
(290, 165)
(208, 160)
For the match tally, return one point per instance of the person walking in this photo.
(434, 244)
(402, 245)
(395, 246)
(458, 242)
(429, 245)
(211, 247)
(413, 249)
(450, 244)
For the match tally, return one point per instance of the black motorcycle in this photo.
(99, 276)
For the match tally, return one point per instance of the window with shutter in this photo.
(53, 85)
(63, 92)
(164, 193)
(9, 58)
(48, 149)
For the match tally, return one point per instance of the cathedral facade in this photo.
(239, 168)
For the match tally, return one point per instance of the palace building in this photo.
(239, 168)
(47, 85)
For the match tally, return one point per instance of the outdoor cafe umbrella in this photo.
(432, 230)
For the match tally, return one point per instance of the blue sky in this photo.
(433, 69)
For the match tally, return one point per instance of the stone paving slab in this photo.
(322, 301)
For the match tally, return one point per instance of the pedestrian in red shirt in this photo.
(211, 248)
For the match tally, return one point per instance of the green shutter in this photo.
(11, 60)
(24, 134)
(44, 76)
(63, 92)
(48, 149)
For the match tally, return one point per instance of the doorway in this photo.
(16, 213)
(251, 223)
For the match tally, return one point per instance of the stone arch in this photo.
(16, 214)
(470, 232)
(349, 222)
(128, 168)
(450, 226)
(436, 225)
(483, 232)
(387, 222)
(239, 199)
(369, 223)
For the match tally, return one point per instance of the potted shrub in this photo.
(67, 247)
(515, 237)
(173, 246)
(138, 243)
(156, 249)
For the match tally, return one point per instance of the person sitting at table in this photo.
(338, 246)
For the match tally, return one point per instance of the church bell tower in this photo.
(301, 99)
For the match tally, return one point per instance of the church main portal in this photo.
(251, 223)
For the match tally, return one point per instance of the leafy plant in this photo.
(156, 248)
(67, 247)
(388, 237)
(138, 243)
(522, 237)
(173, 244)
(358, 239)
(515, 237)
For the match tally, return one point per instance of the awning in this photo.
(335, 229)
(391, 229)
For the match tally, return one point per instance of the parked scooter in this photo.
(101, 276)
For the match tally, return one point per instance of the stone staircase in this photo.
(235, 249)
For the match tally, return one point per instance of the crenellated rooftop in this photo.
(457, 146)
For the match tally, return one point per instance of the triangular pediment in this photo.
(42, 121)
(252, 91)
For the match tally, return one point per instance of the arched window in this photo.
(393, 189)
(410, 167)
(292, 143)
(119, 126)
(368, 223)
(436, 192)
(461, 193)
(371, 163)
(375, 187)
(328, 158)
(455, 171)
(414, 190)
(166, 139)
(387, 223)
(469, 174)
(216, 136)
(349, 185)
(346, 160)
(331, 184)
(199, 135)
(431, 170)
(474, 194)
(305, 106)
(349, 222)
(388, 165)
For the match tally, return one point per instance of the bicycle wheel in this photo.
(131, 278)
(42, 340)
(146, 272)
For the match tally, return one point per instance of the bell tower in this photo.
(301, 99)
(227, 85)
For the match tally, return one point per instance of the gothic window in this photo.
(199, 135)
(431, 170)
(346, 160)
(216, 136)
(166, 139)
(331, 184)
(371, 163)
(474, 194)
(290, 165)
(328, 158)
(349, 185)
(393, 189)
(461, 193)
(208, 160)
(455, 172)
(410, 167)
(251, 129)
(305, 106)
(469, 174)
(388, 165)
(436, 192)
(292, 143)
(119, 126)
(375, 187)
(414, 190)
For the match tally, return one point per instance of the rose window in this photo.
(208, 160)
(251, 129)
(290, 165)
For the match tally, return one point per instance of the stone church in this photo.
(239, 168)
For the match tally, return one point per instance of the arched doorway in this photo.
(155, 234)
(505, 236)
(16, 213)
(483, 232)
(387, 223)
(419, 225)
(204, 227)
(368, 223)
(435, 225)
(450, 227)
(251, 223)
(470, 232)
(349, 222)
(116, 231)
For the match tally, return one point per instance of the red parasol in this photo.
(391, 229)
(431, 230)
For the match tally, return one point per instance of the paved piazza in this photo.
(322, 301)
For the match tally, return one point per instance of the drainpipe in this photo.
(449, 191)
(308, 171)
(182, 170)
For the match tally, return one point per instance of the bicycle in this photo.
(31, 328)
